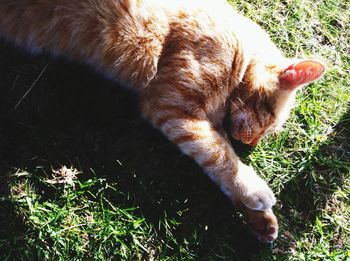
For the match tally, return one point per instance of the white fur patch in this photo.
(251, 190)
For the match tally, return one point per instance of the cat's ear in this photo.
(300, 73)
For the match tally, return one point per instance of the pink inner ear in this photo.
(301, 73)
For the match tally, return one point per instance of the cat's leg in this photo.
(195, 136)
(215, 155)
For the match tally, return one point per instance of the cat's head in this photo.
(261, 103)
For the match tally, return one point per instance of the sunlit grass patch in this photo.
(76, 219)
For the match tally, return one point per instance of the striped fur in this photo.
(192, 63)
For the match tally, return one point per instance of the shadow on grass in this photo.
(305, 196)
(74, 117)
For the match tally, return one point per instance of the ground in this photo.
(127, 193)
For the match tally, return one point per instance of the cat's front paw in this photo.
(263, 224)
(251, 190)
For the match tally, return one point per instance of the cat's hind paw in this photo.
(253, 191)
(263, 224)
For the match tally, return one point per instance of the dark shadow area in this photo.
(73, 116)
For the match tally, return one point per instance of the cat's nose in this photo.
(254, 142)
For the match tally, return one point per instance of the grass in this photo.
(137, 197)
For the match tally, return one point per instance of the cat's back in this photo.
(122, 38)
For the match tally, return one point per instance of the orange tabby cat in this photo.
(192, 63)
